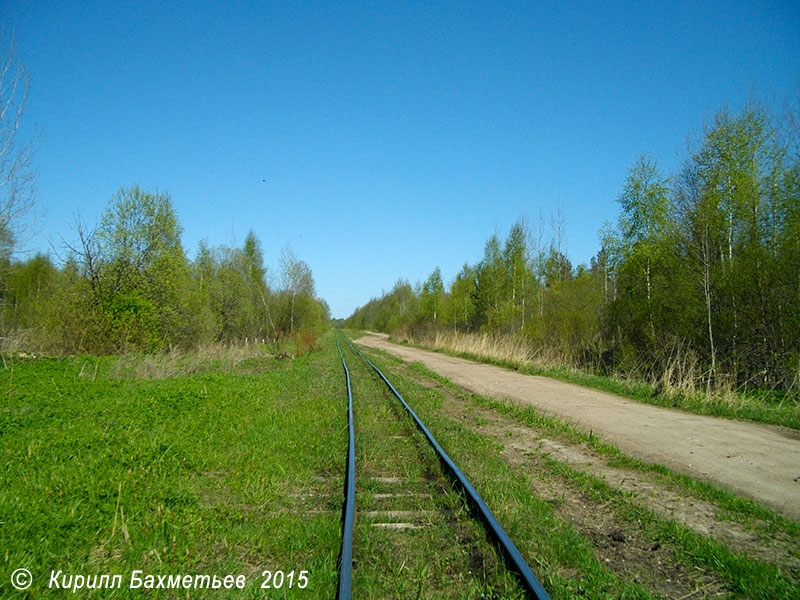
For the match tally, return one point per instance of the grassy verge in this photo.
(756, 406)
(744, 575)
(216, 473)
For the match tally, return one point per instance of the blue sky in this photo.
(379, 139)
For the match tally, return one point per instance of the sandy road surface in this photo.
(758, 461)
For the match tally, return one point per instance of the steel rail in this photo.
(529, 580)
(346, 555)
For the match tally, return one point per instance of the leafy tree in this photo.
(143, 274)
(232, 285)
(643, 243)
(137, 230)
(258, 290)
(571, 321)
(204, 271)
(432, 297)
(490, 275)
(557, 268)
(518, 276)
(30, 286)
(462, 294)
(297, 284)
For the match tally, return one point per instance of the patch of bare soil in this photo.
(625, 546)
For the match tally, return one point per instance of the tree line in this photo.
(699, 277)
(127, 285)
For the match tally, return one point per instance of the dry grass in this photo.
(21, 340)
(305, 341)
(179, 363)
(679, 379)
(679, 372)
(489, 346)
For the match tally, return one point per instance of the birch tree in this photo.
(516, 258)
(643, 223)
(297, 283)
(432, 297)
(462, 293)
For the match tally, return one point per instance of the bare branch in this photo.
(17, 178)
(87, 252)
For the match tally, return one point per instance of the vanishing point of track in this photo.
(514, 560)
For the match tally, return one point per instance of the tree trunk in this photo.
(650, 303)
(707, 293)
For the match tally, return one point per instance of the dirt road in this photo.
(758, 461)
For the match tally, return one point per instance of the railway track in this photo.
(408, 486)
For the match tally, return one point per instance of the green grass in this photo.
(200, 474)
